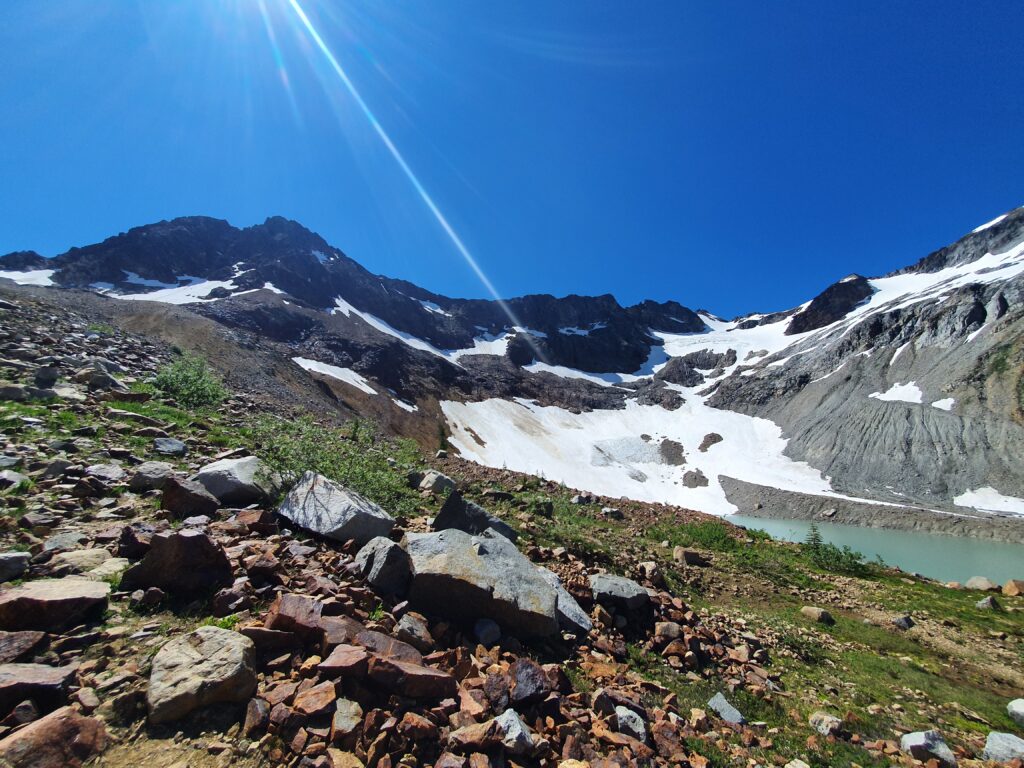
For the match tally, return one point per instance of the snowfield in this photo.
(346, 375)
(903, 393)
(606, 452)
(31, 277)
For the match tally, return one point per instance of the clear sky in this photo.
(736, 156)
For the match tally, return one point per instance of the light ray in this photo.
(410, 175)
(282, 71)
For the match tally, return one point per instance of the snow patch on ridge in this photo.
(42, 277)
(945, 404)
(346, 375)
(905, 393)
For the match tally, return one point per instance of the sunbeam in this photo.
(413, 179)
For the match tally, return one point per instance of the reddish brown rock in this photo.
(180, 562)
(257, 715)
(339, 630)
(187, 498)
(316, 700)
(387, 647)
(14, 645)
(52, 605)
(416, 727)
(296, 613)
(347, 661)
(44, 685)
(62, 739)
(411, 679)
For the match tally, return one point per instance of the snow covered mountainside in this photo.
(895, 400)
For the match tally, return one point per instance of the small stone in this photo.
(316, 700)
(903, 622)
(487, 632)
(826, 724)
(170, 446)
(630, 723)
(13, 565)
(989, 604)
(725, 710)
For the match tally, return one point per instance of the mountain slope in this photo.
(881, 400)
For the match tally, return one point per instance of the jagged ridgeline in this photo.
(887, 401)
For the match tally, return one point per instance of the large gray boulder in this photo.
(384, 565)
(207, 666)
(322, 506)
(571, 617)
(464, 515)
(928, 745)
(237, 481)
(485, 576)
(618, 592)
(1015, 709)
(1003, 747)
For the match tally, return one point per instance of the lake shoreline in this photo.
(762, 502)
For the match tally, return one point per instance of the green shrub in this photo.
(191, 383)
(708, 534)
(835, 559)
(355, 458)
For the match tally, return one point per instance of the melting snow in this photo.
(194, 291)
(944, 405)
(574, 331)
(988, 224)
(990, 500)
(905, 393)
(898, 352)
(346, 375)
(432, 307)
(30, 277)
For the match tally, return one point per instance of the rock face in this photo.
(469, 577)
(384, 565)
(237, 482)
(180, 562)
(207, 666)
(467, 516)
(928, 745)
(326, 508)
(62, 739)
(52, 605)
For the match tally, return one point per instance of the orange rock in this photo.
(62, 739)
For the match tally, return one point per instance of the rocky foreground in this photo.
(171, 598)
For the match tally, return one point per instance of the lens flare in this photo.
(409, 174)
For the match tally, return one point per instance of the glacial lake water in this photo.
(946, 558)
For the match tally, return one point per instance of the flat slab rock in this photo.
(207, 666)
(62, 739)
(41, 683)
(464, 576)
(237, 481)
(51, 605)
(324, 507)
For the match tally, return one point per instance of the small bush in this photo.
(709, 534)
(191, 383)
(835, 559)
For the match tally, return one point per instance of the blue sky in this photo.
(736, 156)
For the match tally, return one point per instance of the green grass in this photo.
(355, 457)
(225, 622)
(709, 534)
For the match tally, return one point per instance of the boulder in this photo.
(618, 592)
(1013, 588)
(149, 476)
(15, 645)
(721, 706)
(170, 446)
(819, 615)
(78, 560)
(630, 723)
(413, 680)
(571, 617)
(331, 510)
(45, 685)
(180, 562)
(989, 604)
(1003, 747)
(485, 576)
(184, 498)
(826, 724)
(507, 731)
(13, 565)
(207, 666)
(62, 739)
(1015, 709)
(238, 482)
(51, 605)
(928, 745)
(435, 482)
(108, 473)
(982, 584)
(384, 565)
(463, 515)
